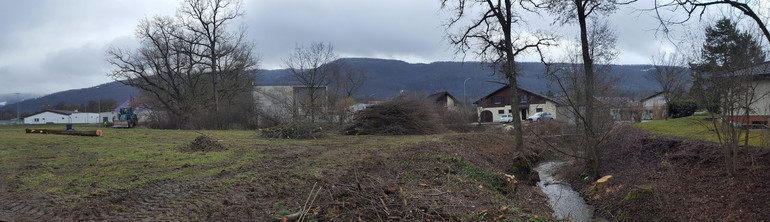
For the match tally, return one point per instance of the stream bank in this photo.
(567, 203)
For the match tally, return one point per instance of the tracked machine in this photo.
(127, 118)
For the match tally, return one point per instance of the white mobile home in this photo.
(61, 117)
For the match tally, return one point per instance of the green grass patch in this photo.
(121, 159)
(692, 127)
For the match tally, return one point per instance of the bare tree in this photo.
(570, 76)
(494, 37)
(226, 54)
(346, 80)
(671, 74)
(568, 11)
(310, 67)
(698, 8)
(177, 53)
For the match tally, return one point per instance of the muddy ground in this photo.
(456, 177)
(657, 178)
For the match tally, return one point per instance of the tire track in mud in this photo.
(14, 207)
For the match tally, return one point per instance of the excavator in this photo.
(127, 118)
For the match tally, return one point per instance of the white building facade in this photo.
(62, 117)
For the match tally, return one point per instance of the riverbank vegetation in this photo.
(664, 178)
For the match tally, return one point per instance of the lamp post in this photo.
(99, 108)
(17, 107)
(464, 96)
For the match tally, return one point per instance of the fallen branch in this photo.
(66, 132)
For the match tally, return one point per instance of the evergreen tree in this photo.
(726, 49)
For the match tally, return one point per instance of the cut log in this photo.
(602, 183)
(291, 217)
(66, 132)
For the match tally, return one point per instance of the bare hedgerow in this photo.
(404, 115)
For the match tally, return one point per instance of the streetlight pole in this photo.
(17, 107)
(464, 96)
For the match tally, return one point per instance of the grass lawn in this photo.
(692, 127)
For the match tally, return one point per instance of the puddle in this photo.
(566, 203)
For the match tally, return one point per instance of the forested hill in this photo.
(385, 79)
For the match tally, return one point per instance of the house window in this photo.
(537, 110)
(509, 111)
(37, 120)
(501, 111)
(523, 99)
(497, 100)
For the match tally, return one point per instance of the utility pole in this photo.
(464, 96)
(17, 107)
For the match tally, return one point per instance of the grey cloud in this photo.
(65, 40)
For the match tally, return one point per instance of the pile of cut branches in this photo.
(203, 143)
(401, 116)
(295, 130)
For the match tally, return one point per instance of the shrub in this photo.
(681, 108)
(294, 130)
(400, 116)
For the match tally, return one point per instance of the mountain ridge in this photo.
(386, 78)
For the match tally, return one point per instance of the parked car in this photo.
(506, 118)
(541, 116)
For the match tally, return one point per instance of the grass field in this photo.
(692, 127)
(138, 173)
(126, 158)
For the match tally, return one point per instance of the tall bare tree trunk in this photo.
(510, 73)
(588, 67)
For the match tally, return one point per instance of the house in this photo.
(759, 111)
(622, 109)
(491, 107)
(51, 116)
(444, 99)
(654, 107)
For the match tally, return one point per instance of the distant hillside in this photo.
(11, 98)
(386, 78)
(113, 90)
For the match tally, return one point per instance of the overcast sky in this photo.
(51, 45)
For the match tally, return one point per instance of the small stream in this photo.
(566, 203)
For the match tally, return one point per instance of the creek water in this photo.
(566, 203)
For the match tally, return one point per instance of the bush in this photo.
(295, 130)
(681, 108)
(400, 116)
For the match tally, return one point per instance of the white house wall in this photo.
(47, 117)
(85, 118)
(548, 106)
(650, 104)
(56, 118)
(762, 106)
